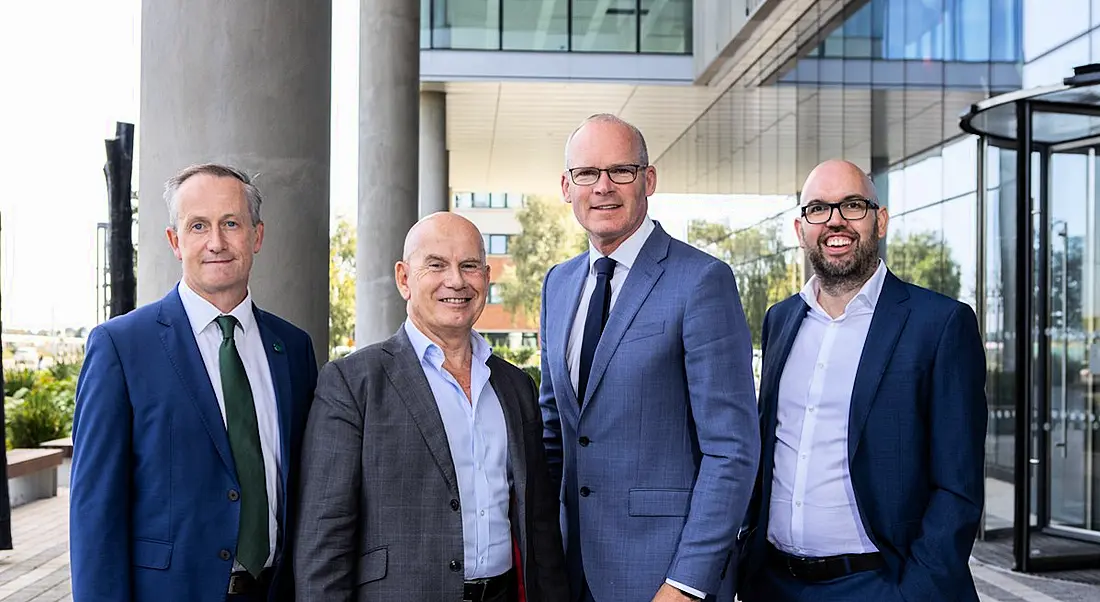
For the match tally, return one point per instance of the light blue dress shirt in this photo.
(478, 438)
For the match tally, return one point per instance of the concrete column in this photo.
(389, 117)
(246, 83)
(435, 189)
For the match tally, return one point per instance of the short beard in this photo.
(837, 279)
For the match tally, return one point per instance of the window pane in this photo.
(544, 28)
(530, 339)
(497, 200)
(498, 244)
(425, 23)
(666, 26)
(495, 298)
(601, 26)
(1049, 24)
(481, 199)
(469, 24)
(464, 200)
(485, 242)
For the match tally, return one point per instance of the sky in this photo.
(71, 69)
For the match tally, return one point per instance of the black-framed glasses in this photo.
(850, 209)
(619, 174)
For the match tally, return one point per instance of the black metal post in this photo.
(5, 502)
(1022, 380)
(1040, 392)
(118, 171)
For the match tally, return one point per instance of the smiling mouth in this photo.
(606, 206)
(456, 301)
(838, 242)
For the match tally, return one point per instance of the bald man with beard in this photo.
(872, 420)
(423, 475)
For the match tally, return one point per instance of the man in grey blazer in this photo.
(423, 475)
(647, 390)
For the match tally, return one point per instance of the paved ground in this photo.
(38, 569)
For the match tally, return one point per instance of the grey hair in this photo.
(639, 139)
(172, 186)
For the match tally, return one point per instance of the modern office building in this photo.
(735, 97)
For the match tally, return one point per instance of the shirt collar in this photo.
(201, 312)
(424, 346)
(628, 251)
(867, 296)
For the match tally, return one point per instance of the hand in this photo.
(667, 593)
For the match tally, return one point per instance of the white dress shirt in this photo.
(201, 313)
(625, 256)
(478, 438)
(813, 505)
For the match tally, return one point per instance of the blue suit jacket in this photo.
(656, 470)
(151, 517)
(916, 436)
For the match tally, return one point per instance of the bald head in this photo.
(837, 179)
(603, 125)
(442, 226)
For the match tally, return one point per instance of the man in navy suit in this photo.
(872, 417)
(189, 417)
(647, 390)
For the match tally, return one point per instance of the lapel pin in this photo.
(278, 347)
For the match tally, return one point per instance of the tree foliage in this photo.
(548, 236)
(341, 277)
(765, 268)
(923, 259)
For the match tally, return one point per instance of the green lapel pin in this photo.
(278, 347)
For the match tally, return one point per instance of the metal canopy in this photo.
(1061, 113)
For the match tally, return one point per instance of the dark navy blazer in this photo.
(916, 435)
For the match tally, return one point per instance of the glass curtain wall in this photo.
(622, 26)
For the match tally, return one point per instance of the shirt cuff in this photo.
(686, 589)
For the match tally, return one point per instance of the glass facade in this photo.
(622, 26)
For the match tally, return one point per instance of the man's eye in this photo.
(197, 227)
(621, 171)
(816, 209)
(435, 265)
(587, 173)
(231, 224)
(853, 205)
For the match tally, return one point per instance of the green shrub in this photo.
(518, 356)
(41, 411)
(19, 379)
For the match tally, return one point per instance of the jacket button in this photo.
(224, 555)
(585, 491)
(233, 495)
(454, 505)
(456, 566)
(584, 441)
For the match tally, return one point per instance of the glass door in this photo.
(1068, 347)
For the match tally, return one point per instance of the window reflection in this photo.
(601, 26)
(466, 24)
(666, 26)
(545, 28)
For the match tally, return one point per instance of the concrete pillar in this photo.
(435, 189)
(246, 83)
(389, 117)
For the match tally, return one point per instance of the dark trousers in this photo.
(770, 585)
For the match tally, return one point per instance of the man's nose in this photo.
(216, 240)
(604, 184)
(836, 219)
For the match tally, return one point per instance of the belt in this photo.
(822, 568)
(243, 583)
(477, 590)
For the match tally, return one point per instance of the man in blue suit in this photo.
(189, 417)
(872, 416)
(647, 390)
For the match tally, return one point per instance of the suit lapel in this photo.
(769, 387)
(566, 304)
(509, 398)
(403, 369)
(640, 280)
(886, 326)
(183, 351)
(277, 362)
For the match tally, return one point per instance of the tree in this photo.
(765, 270)
(923, 259)
(547, 237)
(341, 295)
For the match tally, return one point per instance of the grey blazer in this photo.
(380, 517)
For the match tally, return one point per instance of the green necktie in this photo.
(244, 440)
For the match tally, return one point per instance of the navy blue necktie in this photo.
(598, 308)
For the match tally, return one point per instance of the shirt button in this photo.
(585, 491)
(799, 504)
(803, 456)
(810, 409)
(821, 366)
(454, 505)
(483, 513)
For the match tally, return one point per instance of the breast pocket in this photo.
(645, 330)
(372, 565)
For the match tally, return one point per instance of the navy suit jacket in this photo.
(151, 515)
(656, 470)
(916, 436)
